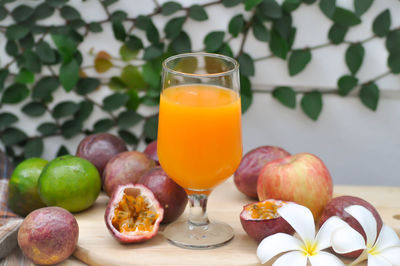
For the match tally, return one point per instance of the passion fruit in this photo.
(261, 219)
(151, 151)
(133, 214)
(172, 197)
(125, 168)
(336, 208)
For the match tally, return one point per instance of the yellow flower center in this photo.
(373, 251)
(309, 249)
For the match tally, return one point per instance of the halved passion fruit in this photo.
(133, 214)
(261, 219)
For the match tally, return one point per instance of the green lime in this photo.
(23, 196)
(69, 182)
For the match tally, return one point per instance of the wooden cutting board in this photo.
(96, 246)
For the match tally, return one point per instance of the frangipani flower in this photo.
(309, 247)
(383, 250)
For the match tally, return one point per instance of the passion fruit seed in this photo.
(264, 209)
(132, 214)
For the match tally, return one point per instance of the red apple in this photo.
(302, 178)
(246, 175)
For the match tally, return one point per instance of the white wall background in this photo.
(358, 146)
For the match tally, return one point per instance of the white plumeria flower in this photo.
(383, 250)
(309, 247)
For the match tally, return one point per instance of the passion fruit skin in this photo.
(139, 236)
(260, 229)
(48, 235)
(100, 148)
(246, 176)
(125, 168)
(336, 208)
(172, 197)
(151, 151)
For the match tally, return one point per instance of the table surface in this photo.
(97, 247)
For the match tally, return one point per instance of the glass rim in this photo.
(199, 54)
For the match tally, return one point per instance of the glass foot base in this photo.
(187, 235)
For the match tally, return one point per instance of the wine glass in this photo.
(199, 138)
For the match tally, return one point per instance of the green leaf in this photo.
(394, 62)
(128, 119)
(134, 43)
(270, 9)
(3, 13)
(12, 136)
(66, 46)
(109, 2)
(151, 75)
(345, 17)
(291, 5)
(146, 24)
(231, 3)
(381, 24)
(283, 26)
(298, 60)
(260, 31)
(311, 104)
(328, 7)
(12, 48)
(150, 127)
(77, 23)
(197, 12)
(354, 57)
(168, 8)
(7, 119)
(286, 96)
(369, 95)
(45, 53)
(34, 148)
(95, 27)
(3, 76)
(84, 112)
(64, 109)
(115, 101)
(347, 83)
(71, 128)
(153, 51)
(127, 54)
(174, 27)
(225, 50)
(119, 31)
(132, 77)
(69, 74)
(69, 13)
(250, 4)
(118, 16)
(181, 44)
(246, 94)
(214, 40)
(62, 151)
(16, 93)
(393, 41)
(116, 84)
(337, 33)
(278, 45)
(128, 137)
(361, 6)
(236, 25)
(103, 125)
(32, 61)
(246, 64)
(44, 88)
(25, 76)
(27, 42)
(47, 128)
(22, 13)
(56, 3)
(16, 32)
(134, 100)
(43, 11)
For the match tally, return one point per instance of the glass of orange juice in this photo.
(199, 138)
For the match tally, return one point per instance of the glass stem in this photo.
(198, 209)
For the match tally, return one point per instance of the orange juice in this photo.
(199, 134)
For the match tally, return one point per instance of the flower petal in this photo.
(387, 238)
(324, 259)
(276, 244)
(324, 235)
(346, 239)
(291, 258)
(378, 261)
(301, 219)
(366, 220)
(392, 255)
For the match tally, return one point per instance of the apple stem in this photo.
(198, 209)
(362, 257)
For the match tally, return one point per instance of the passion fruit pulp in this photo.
(261, 219)
(133, 214)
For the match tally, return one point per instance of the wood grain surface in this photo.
(97, 247)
